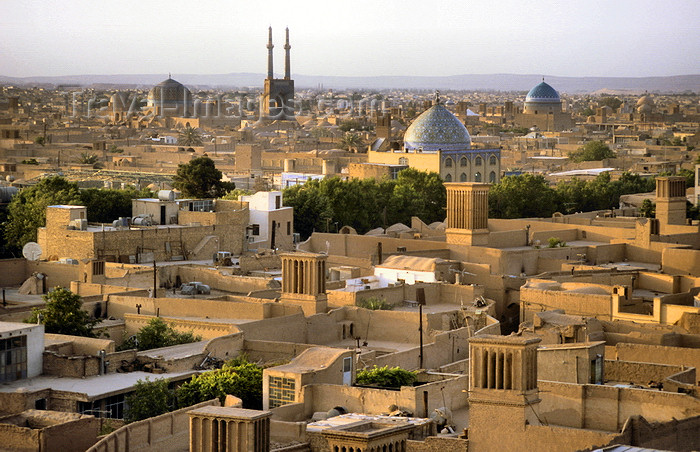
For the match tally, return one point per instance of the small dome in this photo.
(543, 93)
(170, 91)
(437, 129)
(645, 100)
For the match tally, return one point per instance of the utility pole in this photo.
(155, 279)
(420, 294)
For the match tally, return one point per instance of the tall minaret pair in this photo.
(287, 64)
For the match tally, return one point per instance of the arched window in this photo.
(463, 161)
(448, 178)
(477, 161)
(448, 162)
(492, 160)
(492, 177)
(463, 177)
(477, 177)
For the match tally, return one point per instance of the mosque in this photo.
(438, 141)
(543, 110)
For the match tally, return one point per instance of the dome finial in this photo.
(437, 97)
(170, 75)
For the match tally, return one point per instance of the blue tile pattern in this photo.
(542, 93)
(437, 129)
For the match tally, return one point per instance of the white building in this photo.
(271, 224)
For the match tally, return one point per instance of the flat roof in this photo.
(95, 387)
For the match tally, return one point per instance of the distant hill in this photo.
(476, 82)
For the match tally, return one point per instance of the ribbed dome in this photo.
(171, 91)
(437, 129)
(543, 93)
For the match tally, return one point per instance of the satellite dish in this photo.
(32, 251)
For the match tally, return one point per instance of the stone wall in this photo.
(168, 431)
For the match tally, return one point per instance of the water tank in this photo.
(166, 195)
(6, 193)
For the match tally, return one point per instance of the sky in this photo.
(354, 37)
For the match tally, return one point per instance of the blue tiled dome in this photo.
(437, 129)
(543, 93)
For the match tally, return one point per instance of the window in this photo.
(492, 177)
(463, 161)
(281, 391)
(114, 407)
(448, 178)
(493, 160)
(448, 162)
(278, 202)
(256, 229)
(289, 228)
(477, 177)
(13, 358)
(98, 267)
(463, 177)
(478, 161)
(403, 161)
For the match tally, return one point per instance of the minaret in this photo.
(287, 66)
(269, 54)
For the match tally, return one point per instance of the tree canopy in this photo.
(238, 377)
(105, 205)
(592, 151)
(63, 314)
(366, 204)
(27, 210)
(189, 136)
(150, 398)
(386, 377)
(158, 334)
(199, 178)
(525, 195)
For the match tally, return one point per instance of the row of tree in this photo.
(528, 195)
(329, 204)
(27, 210)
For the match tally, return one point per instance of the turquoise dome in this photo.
(437, 129)
(543, 93)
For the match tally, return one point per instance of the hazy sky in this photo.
(365, 37)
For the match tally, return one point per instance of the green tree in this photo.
(522, 196)
(41, 141)
(647, 209)
(312, 209)
(352, 142)
(62, 314)
(105, 205)
(149, 399)
(418, 193)
(351, 124)
(27, 210)
(200, 179)
(238, 377)
(592, 151)
(189, 136)
(158, 334)
(386, 377)
(87, 158)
